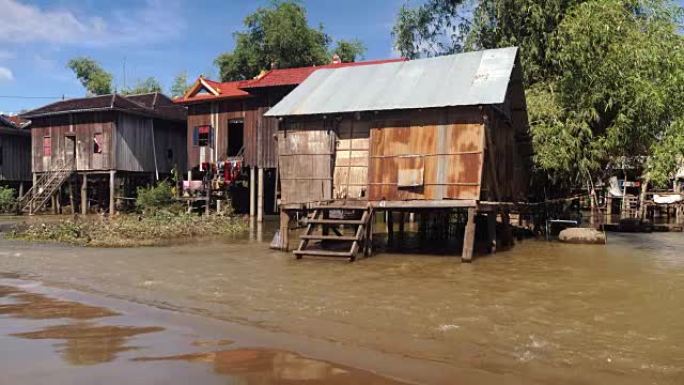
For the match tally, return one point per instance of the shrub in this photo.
(152, 199)
(7, 199)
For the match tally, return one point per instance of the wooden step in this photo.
(339, 207)
(348, 238)
(336, 221)
(324, 253)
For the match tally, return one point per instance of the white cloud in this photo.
(153, 20)
(6, 74)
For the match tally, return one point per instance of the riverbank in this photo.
(540, 313)
(128, 230)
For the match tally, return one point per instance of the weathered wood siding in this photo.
(439, 154)
(259, 132)
(82, 127)
(135, 136)
(350, 179)
(306, 157)
(15, 164)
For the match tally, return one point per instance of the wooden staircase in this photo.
(46, 186)
(340, 230)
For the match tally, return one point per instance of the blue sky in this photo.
(155, 37)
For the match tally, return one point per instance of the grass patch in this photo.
(158, 228)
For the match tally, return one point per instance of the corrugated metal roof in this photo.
(470, 78)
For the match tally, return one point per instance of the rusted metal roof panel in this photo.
(471, 78)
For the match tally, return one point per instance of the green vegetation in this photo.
(8, 200)
(349, 51)
(145, 86)
(159, 228)
(279, 35)
(180, 85)
(604, 78)
(91, 75)
(154, 198)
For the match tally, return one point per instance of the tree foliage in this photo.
(605, 78)
(180, 85)
(349, 50)
(92, 76)
(279, 35)
(145, 86)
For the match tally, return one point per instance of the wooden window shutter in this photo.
(195, 136)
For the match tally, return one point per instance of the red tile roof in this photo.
(272, 78)
(294, 76)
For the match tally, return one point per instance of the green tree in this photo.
(180, 85)
(91, 75)
(276, 35)
(349, 50)
(440, 27)
(144, 86)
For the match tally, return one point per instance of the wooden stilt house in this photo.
(100, 147)
(15, 153)
(446, 134)
(227, 128)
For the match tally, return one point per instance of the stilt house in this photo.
(107, 145)
(15, 153)
(440, 134)
(226, 124)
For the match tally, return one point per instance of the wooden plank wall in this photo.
(446, 145)
(16, 156)
(259, 132)
(305, 150)
(81, 126)
(134, 143)
(350, 179)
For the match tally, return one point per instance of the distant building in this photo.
(15, 153)
(102, 147)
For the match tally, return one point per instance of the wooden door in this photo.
(305, 162)
(351, 160)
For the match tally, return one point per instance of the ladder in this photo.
(336, 226)
(45, 186)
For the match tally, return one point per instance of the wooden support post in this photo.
(53, 204)
(252, 182)
(491, 231)
(84, 195)
(260, 195)
(469, 236)
(21, 189)
(284, 230)
(112, 198)
(609, 208)
(390, 228)
(507, 230)
(207, 203)
(58, 200)
(72, 201)
(402, 219)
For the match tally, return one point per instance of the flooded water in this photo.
(540, 313)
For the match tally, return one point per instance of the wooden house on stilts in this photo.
(226, 128)
(15, 153)
(446, 135)
(101, 147)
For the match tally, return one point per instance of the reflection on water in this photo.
(84, 343)
(88, 344)
(263, 366)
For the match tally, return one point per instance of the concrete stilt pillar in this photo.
(112, 188)
(252, 182)
(21, 189)
(284, 230)
(84, 195)
(260, 196)
(469, 237)
(491, 231)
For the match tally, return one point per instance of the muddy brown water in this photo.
(541, 313)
